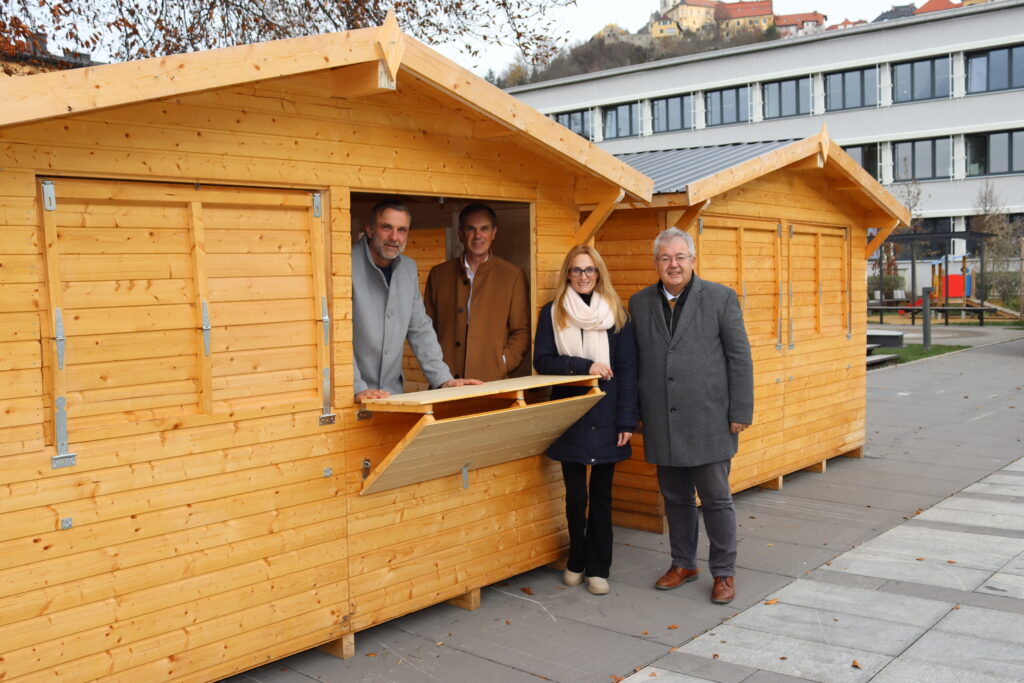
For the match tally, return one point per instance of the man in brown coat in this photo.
(479, 303)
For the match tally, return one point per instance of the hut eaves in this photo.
(363, 62)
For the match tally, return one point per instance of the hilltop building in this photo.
(929, 102)
(789, 25)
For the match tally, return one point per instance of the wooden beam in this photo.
(469, 601)
(390, 44)
(342, 648)
(876, 242)
(685, 218)
(360, 80)
(814, 162)
(773, 484)
(817, 468)
(491, 129)
(597, 218)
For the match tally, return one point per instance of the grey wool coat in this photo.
(383, 317)
(693, 384)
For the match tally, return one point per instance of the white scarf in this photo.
(585, 336)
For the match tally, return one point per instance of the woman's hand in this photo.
(602, 370)
(624, 438)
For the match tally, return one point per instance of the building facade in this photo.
(931, 105)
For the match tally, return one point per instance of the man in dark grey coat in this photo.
(696, 390)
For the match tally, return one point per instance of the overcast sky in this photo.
(589, 16)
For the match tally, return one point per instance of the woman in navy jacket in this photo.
(585, 331)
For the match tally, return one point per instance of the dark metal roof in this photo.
(672, 170)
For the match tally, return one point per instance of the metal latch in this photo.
(366, 467)
(465, 476)
(206, 329)
(318, 208)
(327, 418)
(700, 226)
(49, 196)
(325, 318)
(58, 336)
(64, 458)
(791, 314)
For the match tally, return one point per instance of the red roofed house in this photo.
(799, 24)
(734, 17)
(936, 5)
(845, 23)
(693, 15)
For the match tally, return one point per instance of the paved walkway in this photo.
(905, 565)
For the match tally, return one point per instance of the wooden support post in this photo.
(597, 218)
(855, 453)
(342, 648)
(818, 467)
(470, 600)
(197, 236)
(359, 80)
(774, 484)
(880, 237)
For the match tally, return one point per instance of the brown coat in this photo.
(499, 317)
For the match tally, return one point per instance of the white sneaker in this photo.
(570, 578)
(597, 585)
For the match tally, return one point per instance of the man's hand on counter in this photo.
(460, 382)
(371, 393)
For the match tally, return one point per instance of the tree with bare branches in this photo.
(121, 30)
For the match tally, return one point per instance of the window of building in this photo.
(851, 89)
(922, 159)
(731, 105)
(579, 122)
(925, 79)
(787, 98)
(993, 153)
(866, 156)
(999, 69)
(672, 113)
(622, 121)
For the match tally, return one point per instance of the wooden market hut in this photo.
(186, 488)
(787, 224)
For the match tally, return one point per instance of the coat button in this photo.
(671, 410)
(670, 379)
(459, 309)
(458, 343)
(466, 282)
(593, 429)
(456, 375)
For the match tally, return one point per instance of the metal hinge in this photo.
(64, 458)
(49, 196)
(58, 336)
(206, 330)
(465, 476)
(791, 315)
(325, 318)
(318, 208)
(778, 229)
(790, 231)
(744, 304)
(700, 226)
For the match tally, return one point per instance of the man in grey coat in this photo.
(696, 389)
(387, 309)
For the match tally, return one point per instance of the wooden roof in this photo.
(366, 61)
(696, 179)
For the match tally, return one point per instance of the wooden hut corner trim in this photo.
(684, 218)
(845, 164)
(754, 168)
(598, 217)
(390, 44)
(492, 129)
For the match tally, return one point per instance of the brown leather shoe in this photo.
(675, 577)
(724, 591)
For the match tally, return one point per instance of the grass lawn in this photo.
(911, 352)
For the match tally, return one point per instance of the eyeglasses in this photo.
(665, 260)
(589, 271)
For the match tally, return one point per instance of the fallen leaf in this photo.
(653, 674)
(527, 590)
(771, 545)
(440, 642)
(919, 559)
(673, 627)
(783, 658)
(673, 649)
(753, 517)
(643, 633)
(956, 606)
(772, 601)
(855, 664)
(714, 655)
(371, 654)
(950, 561)
(918, 511)
(507, 622)
(834, 619)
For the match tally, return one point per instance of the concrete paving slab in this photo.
(910, 670)
(779, 557)
(663, 676)
(863, 602)
(833, 512)
(527, 640)
(1014, 566)
(974, 519)
(829, 627)
(705, 667)
(952, 595)
(967, 528)
(786, 655)
(970, 653)
(269, 673)
(963, 473)
(751, 521)
(1004, 584)
(901, 569)
(990, 624)
(772, 677)
(972, 503)
(1017, 466)
(1008, 490)
(819, 489)
(977, 551)
(892, 481)
(1013, 479)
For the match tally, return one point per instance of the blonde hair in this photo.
(603, 287)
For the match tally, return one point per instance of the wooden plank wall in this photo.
(221, 541)
(809, 399)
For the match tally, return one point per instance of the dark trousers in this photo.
(590, 531)
(711, 483)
